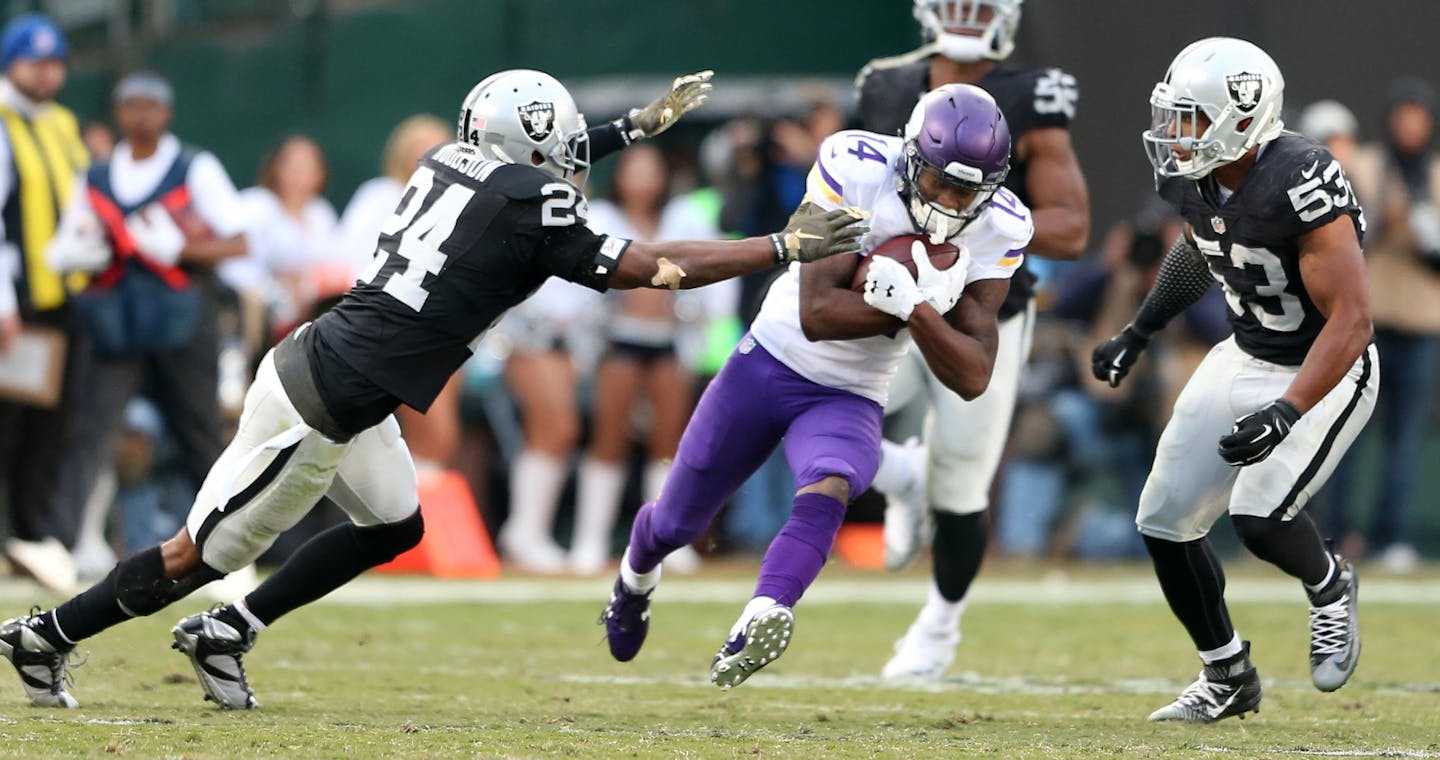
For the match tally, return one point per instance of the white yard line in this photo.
(1058, 590)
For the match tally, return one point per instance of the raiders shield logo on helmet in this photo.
(1244, 90)
(538, 118)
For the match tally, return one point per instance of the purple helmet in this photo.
(959, 137)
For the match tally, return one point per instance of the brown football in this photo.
(942, 256)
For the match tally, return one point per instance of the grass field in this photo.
(1053, 665)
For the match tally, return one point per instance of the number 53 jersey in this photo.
(1251, 241)
(471, 238)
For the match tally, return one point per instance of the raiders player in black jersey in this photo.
(482, 223)
(1270, 215)
(966, 41)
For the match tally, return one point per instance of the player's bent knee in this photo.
(1257, 533)
(382, 543)
(141, 587)
(834, 486)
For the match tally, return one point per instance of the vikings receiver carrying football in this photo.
(1270, 216)
(816, 366)
(483, 222)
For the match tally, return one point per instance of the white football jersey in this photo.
(862, 169)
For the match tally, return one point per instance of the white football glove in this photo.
(156, 234)
(941, 287)
(890, 288)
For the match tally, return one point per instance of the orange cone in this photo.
(861, 545)
(456, 544)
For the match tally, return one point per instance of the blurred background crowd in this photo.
(294, 125)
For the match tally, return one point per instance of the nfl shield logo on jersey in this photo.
(1218, 224)
(538, 118)
(1244, 90)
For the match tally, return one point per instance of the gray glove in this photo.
(813, 234)
(686, 93)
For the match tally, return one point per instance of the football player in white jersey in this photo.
(816, 366)
(947, 480)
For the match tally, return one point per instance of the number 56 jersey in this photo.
(1251, 241)
(471, 239)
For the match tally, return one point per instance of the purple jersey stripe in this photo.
(1014, 253)
(829, 180)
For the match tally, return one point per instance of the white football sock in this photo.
(1329, 575)
(755, 607)
(240, 607)
(940, 613)
(1212, 656)
(638, 582)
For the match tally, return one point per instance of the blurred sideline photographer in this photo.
(40, 152)
(151, 223)
(1397, 179)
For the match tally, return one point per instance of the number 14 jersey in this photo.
(1251, 241)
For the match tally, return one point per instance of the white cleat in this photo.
(43, 669)
(905, 509)
(215, 648)
(924, 653)
(1335, 629)
(766, 637)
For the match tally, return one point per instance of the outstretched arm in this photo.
(810, 236)
(686, 93)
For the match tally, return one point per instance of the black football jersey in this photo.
(889, 88)
(470, 239)
(1252, 240)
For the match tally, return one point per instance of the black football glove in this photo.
(1111, 361)
(1257, 434)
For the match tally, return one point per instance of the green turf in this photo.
(529, 680)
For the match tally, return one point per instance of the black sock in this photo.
(328, 561)
(1292, 545)
(1194, 585)
(98, 607)
(958, 550)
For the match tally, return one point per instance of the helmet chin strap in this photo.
(941, 233)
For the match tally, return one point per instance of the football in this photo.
(942, 256)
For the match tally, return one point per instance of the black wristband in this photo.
(778, 244)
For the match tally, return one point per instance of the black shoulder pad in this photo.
(520, 182)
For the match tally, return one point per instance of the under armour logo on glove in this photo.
(1257, 434)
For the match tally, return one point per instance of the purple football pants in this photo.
(754, 403)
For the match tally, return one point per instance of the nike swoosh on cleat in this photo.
(1222, 707)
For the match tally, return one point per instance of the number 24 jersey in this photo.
(471, 239)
